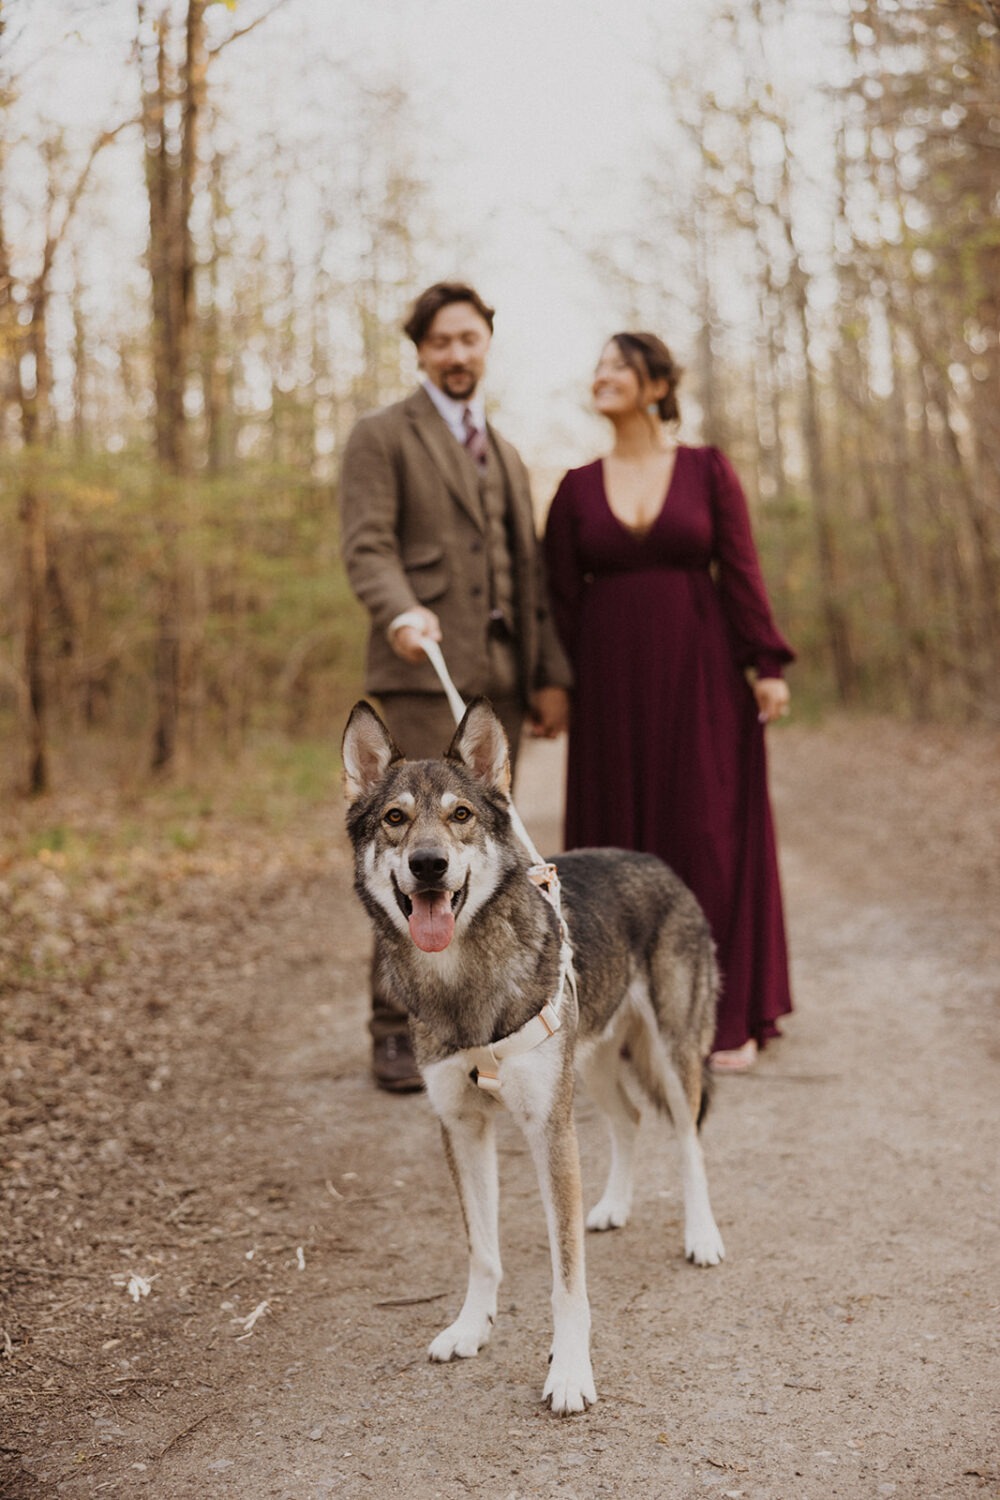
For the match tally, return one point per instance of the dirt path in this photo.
(201, 1118)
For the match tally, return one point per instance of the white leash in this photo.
(542, 874)
(434, 655)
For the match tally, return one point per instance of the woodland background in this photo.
(170, 592)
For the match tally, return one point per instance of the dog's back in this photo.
(631, 917)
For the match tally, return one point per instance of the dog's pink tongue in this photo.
(432, 922)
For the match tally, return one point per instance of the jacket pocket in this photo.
(426, 570)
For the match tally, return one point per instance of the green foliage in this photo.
(270, 637)
(52, 840)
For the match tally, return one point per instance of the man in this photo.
(438, 538)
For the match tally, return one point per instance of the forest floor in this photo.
(224, 1253)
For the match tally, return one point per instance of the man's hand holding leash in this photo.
(408, 632)
(408, 636)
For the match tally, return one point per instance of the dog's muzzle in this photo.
(430, 913)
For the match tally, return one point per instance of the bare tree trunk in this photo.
(882, 486)
(212, 360)
(79, 370)
(33, 399)
(827, 555)
(34, 404)
(32, 513)
(907, 659)
(712, 407)
(917, 600)
(171, 163)
(831, 586)
(166, 673)
(24, 331)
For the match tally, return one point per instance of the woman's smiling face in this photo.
(617, 387)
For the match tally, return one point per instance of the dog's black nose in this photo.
(428, 864)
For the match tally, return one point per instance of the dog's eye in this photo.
(461, 814)
(394, 817)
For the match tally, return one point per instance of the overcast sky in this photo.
(536, 121)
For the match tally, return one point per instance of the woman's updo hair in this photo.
(650, 358)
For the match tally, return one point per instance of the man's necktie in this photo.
(476, 441)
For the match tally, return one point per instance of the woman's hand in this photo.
(773, 698)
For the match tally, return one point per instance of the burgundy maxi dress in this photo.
(666, 754)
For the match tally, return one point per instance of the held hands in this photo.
(405, 639)
(773, 698)
(549, 713)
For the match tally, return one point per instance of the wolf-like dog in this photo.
(472, 949)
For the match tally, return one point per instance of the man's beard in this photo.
(459, 384)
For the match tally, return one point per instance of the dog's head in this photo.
(428, 835)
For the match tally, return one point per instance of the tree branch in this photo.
(245, 30)
(53, 238)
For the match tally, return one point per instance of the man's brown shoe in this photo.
(394, 1066)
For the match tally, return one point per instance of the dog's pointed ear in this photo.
(481, 745)
(367, 751)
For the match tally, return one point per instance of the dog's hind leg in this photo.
(570, 1384)
(601, 1075)
(678, 1016)
(702, 1240)
(470, 1146)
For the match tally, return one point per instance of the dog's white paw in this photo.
(703, 1244)
(609, 1213)
(462, 1340)
(570, 1387)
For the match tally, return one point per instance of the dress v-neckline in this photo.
(640, 533)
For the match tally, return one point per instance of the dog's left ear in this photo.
(368, 751)
(481, 745)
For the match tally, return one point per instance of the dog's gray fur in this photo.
(647, 986)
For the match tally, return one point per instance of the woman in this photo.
(659, 599)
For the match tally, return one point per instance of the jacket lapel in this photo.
(445, 452)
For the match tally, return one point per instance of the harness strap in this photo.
(546, 877)
(487, 1060)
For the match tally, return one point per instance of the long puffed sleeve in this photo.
(757, 639)
(565, 575)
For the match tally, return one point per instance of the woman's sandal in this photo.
(739, 1060)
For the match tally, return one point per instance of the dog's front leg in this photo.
(570, 1384)
(470, 1146)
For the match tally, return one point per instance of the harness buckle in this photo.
(549, 1019)
(545, 876)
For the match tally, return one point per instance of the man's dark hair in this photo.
(650, 358)
(442, 294)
